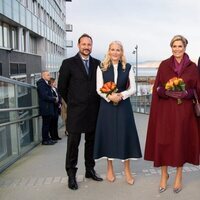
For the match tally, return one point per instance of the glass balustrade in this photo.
(141, 104)
(20, 126)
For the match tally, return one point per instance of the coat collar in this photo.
(185, 65)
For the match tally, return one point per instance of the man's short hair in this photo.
(84, 35)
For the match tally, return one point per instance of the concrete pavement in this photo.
(40, 174)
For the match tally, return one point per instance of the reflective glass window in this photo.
(13, 68)
(6, 36)
(1, 35)
(1, 69)
(14, 38)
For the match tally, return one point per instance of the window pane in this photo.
(1, 69)
(15, 11)
(22, 68)
(23, 41)
(1, 35)
(22, 15)
(14, 38)
(6, 37)
(13, 68)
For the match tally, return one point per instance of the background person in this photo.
(46, 106)
(57, 111)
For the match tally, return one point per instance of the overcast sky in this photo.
(146, 23)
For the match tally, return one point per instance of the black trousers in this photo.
(54, 127)
(46, 120)
(73, 142)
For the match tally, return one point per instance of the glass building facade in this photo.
(32, 37)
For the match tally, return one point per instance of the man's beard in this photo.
(85, 52)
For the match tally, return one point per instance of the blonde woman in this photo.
(116, 135)
(173, 135)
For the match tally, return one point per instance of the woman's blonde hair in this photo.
(179, 38)
(107, 61)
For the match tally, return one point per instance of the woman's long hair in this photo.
(105, 64)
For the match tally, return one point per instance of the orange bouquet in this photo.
(176, 85)
(108, 88)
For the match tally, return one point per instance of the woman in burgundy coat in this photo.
(172, 136)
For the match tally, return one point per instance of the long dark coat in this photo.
(78, 89)
(173, 135)
(46, 98)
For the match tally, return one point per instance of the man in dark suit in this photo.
(77, 86)
(46, 106)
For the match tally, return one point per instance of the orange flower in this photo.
(109, 88)
(175, 84)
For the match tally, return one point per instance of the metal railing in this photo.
(141, 104)
(20, 127)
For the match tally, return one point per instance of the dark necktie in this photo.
(86, 65)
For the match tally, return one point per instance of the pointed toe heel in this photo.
(161, 189)
(110, 179)
(177, 190)
(131, 181)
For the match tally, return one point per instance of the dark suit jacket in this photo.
(46, 98)
(57, 105)
(79, 92)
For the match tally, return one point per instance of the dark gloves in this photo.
(161, 92)
(187, 94)
(176, 94)
(190, 94)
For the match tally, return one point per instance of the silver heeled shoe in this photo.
(177, 190)
(162, 189)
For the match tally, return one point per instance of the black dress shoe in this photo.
(48, 142)
(93, 175)
(72, 184)
(54, 139)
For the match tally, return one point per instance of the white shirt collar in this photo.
(84, 58)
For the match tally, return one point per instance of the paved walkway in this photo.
(40, 175)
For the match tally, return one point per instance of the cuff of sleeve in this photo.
(124, 96)
(161, 92)
(190, 94)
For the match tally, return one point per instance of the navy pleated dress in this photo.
(116, 134)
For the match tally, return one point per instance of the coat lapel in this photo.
(92, 68)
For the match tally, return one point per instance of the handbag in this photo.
(197, 105)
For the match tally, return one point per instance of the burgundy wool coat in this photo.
(173, 135)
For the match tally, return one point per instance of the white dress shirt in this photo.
(126, 93)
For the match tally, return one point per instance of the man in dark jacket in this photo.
(77, 86)
(46, 105)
